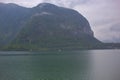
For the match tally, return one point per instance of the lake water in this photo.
(64, 65)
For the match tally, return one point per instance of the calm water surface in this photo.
(64, 65)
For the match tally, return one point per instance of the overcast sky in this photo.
(103, 15)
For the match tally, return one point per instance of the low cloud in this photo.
(104, 19)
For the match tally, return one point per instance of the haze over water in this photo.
(64, 65)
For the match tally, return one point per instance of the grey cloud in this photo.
(103, 17)
(65, 3)
(115, 27)
(109, 32)
(68, 3)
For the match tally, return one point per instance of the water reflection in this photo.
(60, 66)
(73, 65)
(106, 64)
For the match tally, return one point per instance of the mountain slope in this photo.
(12, 17)
(48, 26)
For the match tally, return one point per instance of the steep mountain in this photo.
(46, 26)
(12, 17)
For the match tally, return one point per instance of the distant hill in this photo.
(44, 27)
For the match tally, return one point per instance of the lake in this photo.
(60, 65)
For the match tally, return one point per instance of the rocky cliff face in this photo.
(51, 26)
(71, 18)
